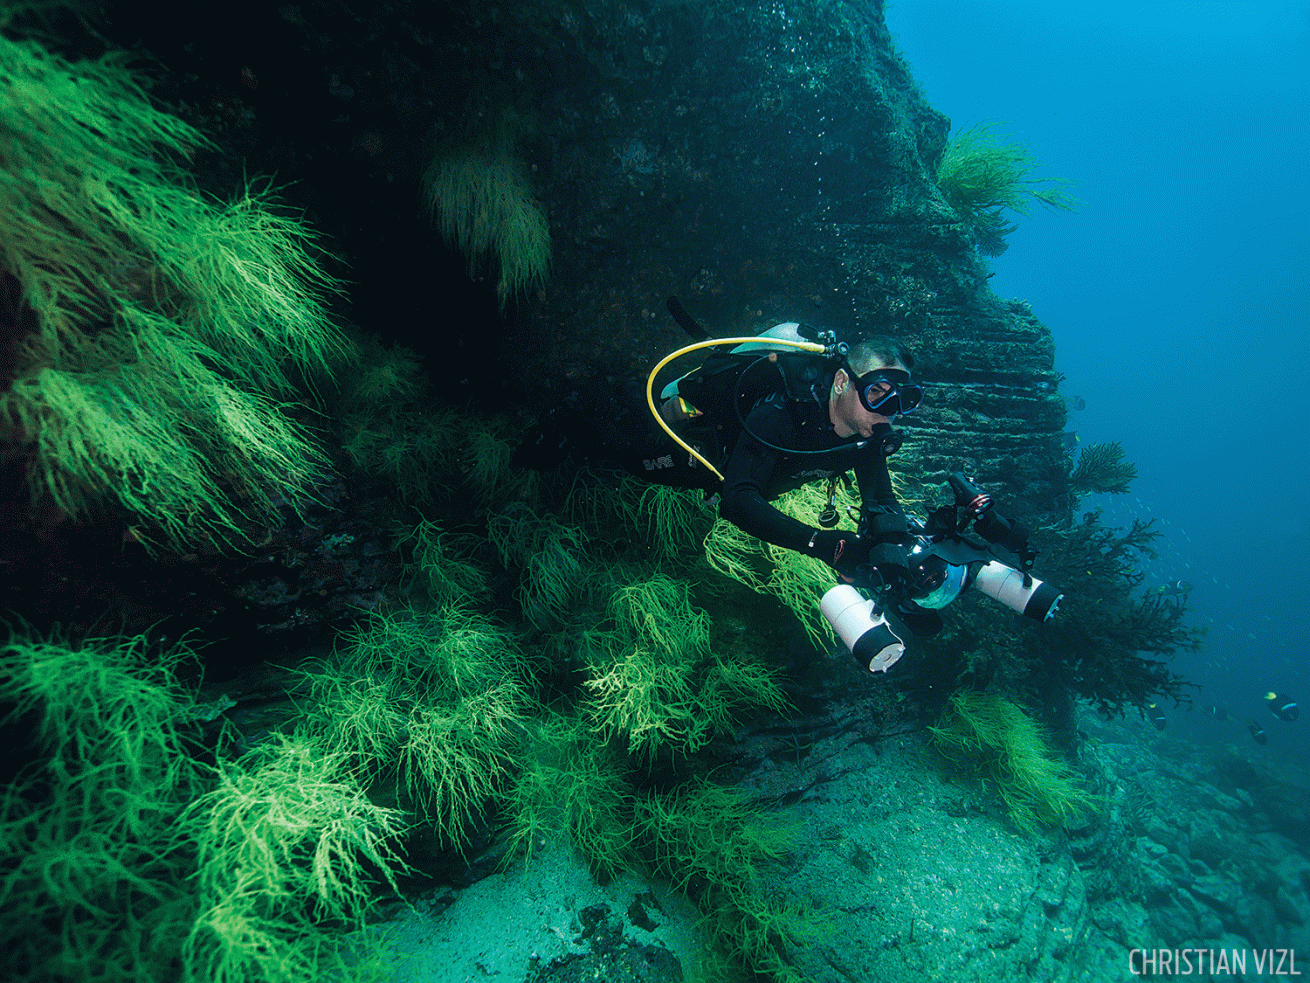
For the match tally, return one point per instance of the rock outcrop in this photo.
(768, 162)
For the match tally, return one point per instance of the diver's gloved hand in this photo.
(844, 551)
(891, 564)
(860, 563)
(887, 533)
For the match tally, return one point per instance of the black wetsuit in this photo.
(795, 417)
(755, 474)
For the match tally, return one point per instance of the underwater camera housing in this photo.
(944, 563)
(942, 571)
(941, 565)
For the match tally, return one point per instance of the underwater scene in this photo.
(653, 490)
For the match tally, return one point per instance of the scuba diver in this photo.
(764, 418)
(789, 407)
(808, 419)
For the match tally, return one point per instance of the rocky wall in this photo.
(767, 161)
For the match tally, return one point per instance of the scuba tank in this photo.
(721, 394)
(725, 382)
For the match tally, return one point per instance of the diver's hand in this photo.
(844, 551)
(891, 567)
(861, 562)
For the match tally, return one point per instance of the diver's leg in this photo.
(663, 463)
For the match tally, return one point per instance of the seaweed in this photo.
(991, 734)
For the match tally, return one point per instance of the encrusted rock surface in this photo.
(915, 872)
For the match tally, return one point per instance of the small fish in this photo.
(1156, 716)
(1216, 713)
(1179, 588)
(1281, 707)
(1257, 732)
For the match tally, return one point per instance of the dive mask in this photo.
(887, 391)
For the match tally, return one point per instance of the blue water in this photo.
(1178, 294)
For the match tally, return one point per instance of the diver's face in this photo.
(847, 413)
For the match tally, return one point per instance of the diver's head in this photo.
(872, 386)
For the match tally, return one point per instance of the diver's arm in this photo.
(744, 505)
(883, 527)
(749, 470)
(752, 468)
(873, 478)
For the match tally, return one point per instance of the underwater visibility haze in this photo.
(1179, 281)
(384, 600)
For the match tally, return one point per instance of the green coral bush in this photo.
(165, 328)
(477, 187)
(570, 782)
(128, 859)
(438, 459)
(798, 581)
(286, 843)
(550, 557)
(89, 850)
(439, 567)
(433, 699)
(1102, 468)
(713, 845)
(1107, 626)
(603, 502)
(112, 726)
(673, 521)
(990, 733)
(653, 679)
(389, 428)
(984, 172)
(485, 462)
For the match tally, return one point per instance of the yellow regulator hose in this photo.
(805, 346)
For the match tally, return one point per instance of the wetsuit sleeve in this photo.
(749, 470)
(874, 480)
(884, 525)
